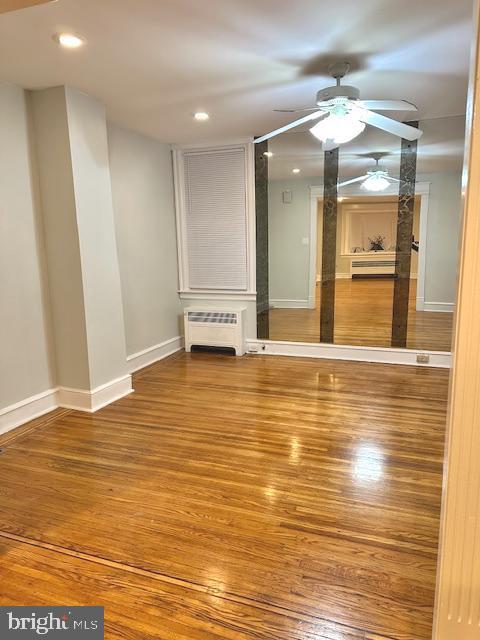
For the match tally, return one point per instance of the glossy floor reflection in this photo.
(237, 498)
(363, 316)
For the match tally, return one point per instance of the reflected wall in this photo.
(365, 274)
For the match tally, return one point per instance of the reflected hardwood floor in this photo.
(254, 498)
(363, 316)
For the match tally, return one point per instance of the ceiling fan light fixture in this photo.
(69, 40)
(375, 182)
(201, 116)
(338, 128)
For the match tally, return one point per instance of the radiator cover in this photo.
(219, 327)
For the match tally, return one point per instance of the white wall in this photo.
(102, 292)
(77, 211)
(288, 224)
(26, 362)
(57, 199)
(142, 187)
(443, 237)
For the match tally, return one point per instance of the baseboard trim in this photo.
(29, 409)
(420, 304)
(38, 405)
(95, 399)
(442, 307)
(384, 355)
(153, 354)
(290, 304)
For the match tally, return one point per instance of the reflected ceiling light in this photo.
(338, 128)
(295, 170)
(376, 181)
(201, 116)
(368, 464)
(69, 40)
(269, 154)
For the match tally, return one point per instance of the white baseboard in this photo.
(36, 406)
(148, 356)
(81, 400)
(420, 304)
(290, 304)
(17, 414)
(97, 398)
(342, 352)
(442, 307)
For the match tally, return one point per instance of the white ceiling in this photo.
(154, 62)
(440, 149)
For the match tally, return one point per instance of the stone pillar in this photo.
(261, 210)
(329, 246)
(406, 206)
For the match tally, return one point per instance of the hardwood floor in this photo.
(254, 498)
(363, 316)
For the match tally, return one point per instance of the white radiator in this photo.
(378, 266)
(222, 327)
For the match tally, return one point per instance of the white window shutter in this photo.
(216, 218)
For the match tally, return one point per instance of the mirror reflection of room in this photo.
(366, 260)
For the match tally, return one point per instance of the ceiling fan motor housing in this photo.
(340, 91)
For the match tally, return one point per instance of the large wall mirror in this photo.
(367, 304)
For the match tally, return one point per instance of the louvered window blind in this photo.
(216, 218)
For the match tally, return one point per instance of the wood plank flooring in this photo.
(235, 498)
(363, 316)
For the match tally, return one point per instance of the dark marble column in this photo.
(261, 207)
(406, 205)
(329, 248)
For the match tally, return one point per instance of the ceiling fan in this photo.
(16, 5)
(376, 179)
(343, 116)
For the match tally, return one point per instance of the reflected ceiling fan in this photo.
(16, 5)
(376, 179)
(343, 116)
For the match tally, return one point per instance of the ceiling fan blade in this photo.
(296, 110)
(392, 179)
(15, 5)
(344, 184)
(388, 105)
(295, 123)
(388, 124)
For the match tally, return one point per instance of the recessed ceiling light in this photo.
(69, 40)
(295, 170)
(201, 115)
(269, 154)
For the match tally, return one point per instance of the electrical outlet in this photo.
(423, 358)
